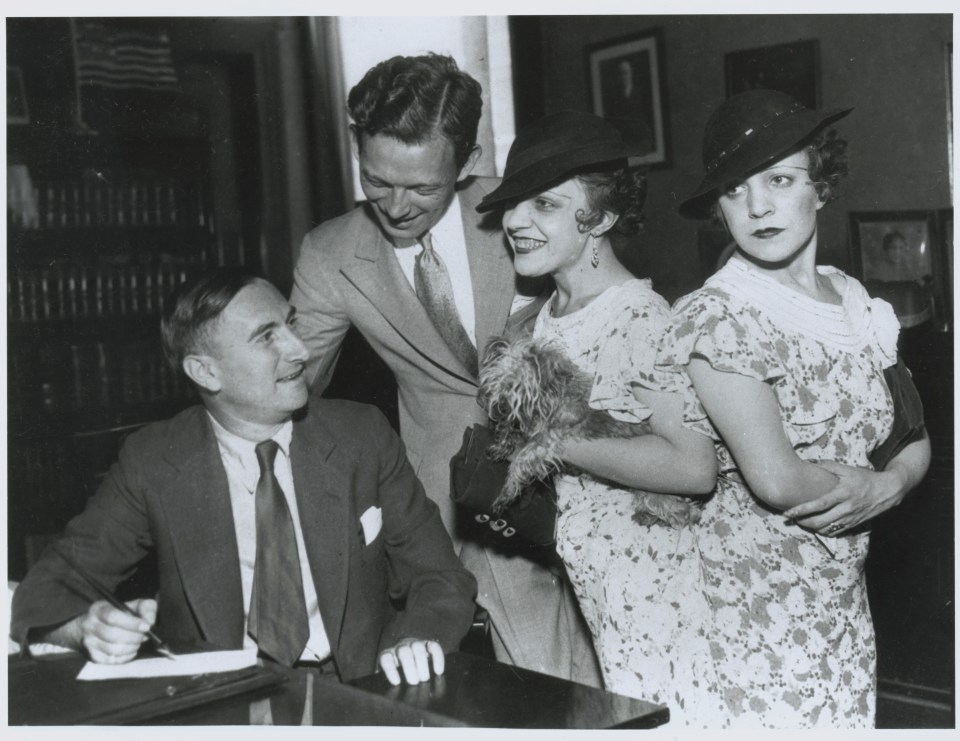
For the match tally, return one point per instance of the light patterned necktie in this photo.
(435, 291)
(278, 610)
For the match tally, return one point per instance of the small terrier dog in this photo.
(537, 398)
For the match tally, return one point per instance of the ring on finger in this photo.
(834, 527)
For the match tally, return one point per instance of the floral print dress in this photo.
(638, 586)
(791, 636)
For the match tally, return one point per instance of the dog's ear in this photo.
(494, 350)
(556, 381)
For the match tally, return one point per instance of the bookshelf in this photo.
(106, 217)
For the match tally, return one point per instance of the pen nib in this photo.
(164, 651)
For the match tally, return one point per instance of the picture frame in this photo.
(792, 68)
(17, 111)
(901, 257)
(625, 79)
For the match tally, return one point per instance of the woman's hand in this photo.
(861, 494)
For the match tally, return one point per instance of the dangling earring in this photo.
(595, 258)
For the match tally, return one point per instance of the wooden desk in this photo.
(473, 692)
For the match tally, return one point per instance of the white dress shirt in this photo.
(243, 472)
(451, 247)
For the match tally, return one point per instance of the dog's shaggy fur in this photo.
(538, 398)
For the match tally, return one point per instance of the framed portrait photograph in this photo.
(625, 80)
(901, 258)
(792, 68)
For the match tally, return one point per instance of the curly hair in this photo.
(827, 166)
(415, 98)
(827, 153)
(617, 189)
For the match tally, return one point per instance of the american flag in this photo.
(120, 55)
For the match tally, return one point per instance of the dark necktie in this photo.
(435, 291)
(278, 611)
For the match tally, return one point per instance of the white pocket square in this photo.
(371, 521)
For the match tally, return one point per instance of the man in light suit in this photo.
(414, 133)
(355, 555)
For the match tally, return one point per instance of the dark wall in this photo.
(890, 68)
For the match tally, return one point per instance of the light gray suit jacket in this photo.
(348, 273)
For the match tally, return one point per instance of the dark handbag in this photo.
(908, 424)
(475, 482)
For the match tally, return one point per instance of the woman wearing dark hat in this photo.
(787, 360)
(566, 187)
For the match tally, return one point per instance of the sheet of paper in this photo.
(183, 665)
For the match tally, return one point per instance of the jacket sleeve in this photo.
(322, 321)
(109, 538)
(424, 572)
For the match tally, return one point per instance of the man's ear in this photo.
(471, 162)
(202, 370)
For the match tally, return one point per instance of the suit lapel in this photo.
(196, 501)
(325, 519)
(376, 273)
(490, 265)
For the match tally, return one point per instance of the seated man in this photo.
(302, 531)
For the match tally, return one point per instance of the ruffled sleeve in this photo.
(734, 338)
(704, 326)
(627, 358)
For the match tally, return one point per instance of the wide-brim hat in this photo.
(561, 143)
(746, 133)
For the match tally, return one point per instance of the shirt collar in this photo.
(245, 451)
(450, 227)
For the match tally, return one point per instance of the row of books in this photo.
(92, 291)
(92, 377)
(79, 204)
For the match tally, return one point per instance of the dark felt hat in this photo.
(561, 143)
(744, 134)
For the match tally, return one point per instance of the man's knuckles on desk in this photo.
(413, 656)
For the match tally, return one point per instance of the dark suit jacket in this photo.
(169, 492)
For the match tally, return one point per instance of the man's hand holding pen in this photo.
(112, 636)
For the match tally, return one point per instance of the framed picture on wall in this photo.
(901, 258)
(792, 68)
(625, 81)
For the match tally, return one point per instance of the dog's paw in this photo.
(512, 488)
(666, 509)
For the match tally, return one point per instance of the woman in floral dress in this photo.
(786, 359)
(566, 187)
